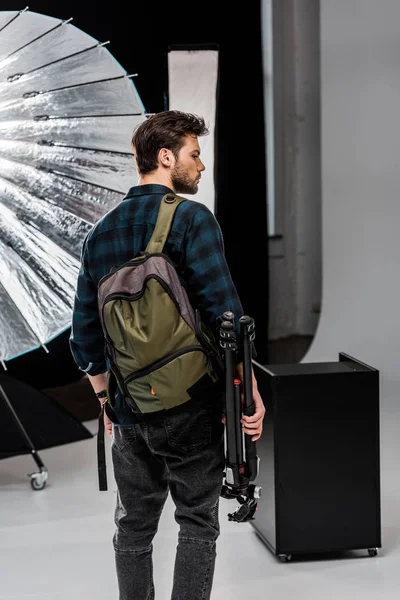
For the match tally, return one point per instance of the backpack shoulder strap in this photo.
(166, 211)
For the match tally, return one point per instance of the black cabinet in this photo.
(319, 457)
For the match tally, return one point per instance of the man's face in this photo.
(186, 173)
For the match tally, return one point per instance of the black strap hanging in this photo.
(101, 453)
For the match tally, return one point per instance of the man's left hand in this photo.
(108, 425)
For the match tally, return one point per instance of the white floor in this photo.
(55, 544)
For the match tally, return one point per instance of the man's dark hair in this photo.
(164, 130)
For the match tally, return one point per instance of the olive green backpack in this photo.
(160, 353)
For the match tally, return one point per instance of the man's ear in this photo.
(166, 157)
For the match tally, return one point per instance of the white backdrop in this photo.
(360, 49)
(193, 78)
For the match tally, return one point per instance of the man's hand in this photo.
(251, 425)
(254, 425)
(108, 425)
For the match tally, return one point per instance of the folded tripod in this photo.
(242, 462)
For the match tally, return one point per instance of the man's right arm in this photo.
(213, 292)
(205, 270)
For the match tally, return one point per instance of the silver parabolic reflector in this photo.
(67, 112)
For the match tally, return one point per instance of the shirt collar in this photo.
(147, 189)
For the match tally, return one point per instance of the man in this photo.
(180, 451)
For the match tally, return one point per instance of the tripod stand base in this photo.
(31, 421)
(38, 480)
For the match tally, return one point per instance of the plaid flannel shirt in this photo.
(195, 244)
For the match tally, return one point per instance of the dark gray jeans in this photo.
(183, 453)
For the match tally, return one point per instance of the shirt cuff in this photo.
(95, 368)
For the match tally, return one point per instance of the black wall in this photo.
(140, 43)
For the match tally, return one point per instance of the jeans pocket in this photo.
(124, 436)
(189, 431)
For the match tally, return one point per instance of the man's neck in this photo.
(155, 178)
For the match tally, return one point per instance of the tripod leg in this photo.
(229, 345)
(233, 393)
(230, 420)
(38, 480)
(247, 329)
(238, 426)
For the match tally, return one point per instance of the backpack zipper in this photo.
(212, 351)
(133, 297)
(164, 361)
(121, 384)
(132, 262)
(140, 294)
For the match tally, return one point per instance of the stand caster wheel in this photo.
(285, 557)
(373, 551)
(38, 480)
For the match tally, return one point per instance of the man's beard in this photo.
(182, 183)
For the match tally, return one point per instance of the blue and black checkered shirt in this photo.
(195, 245)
